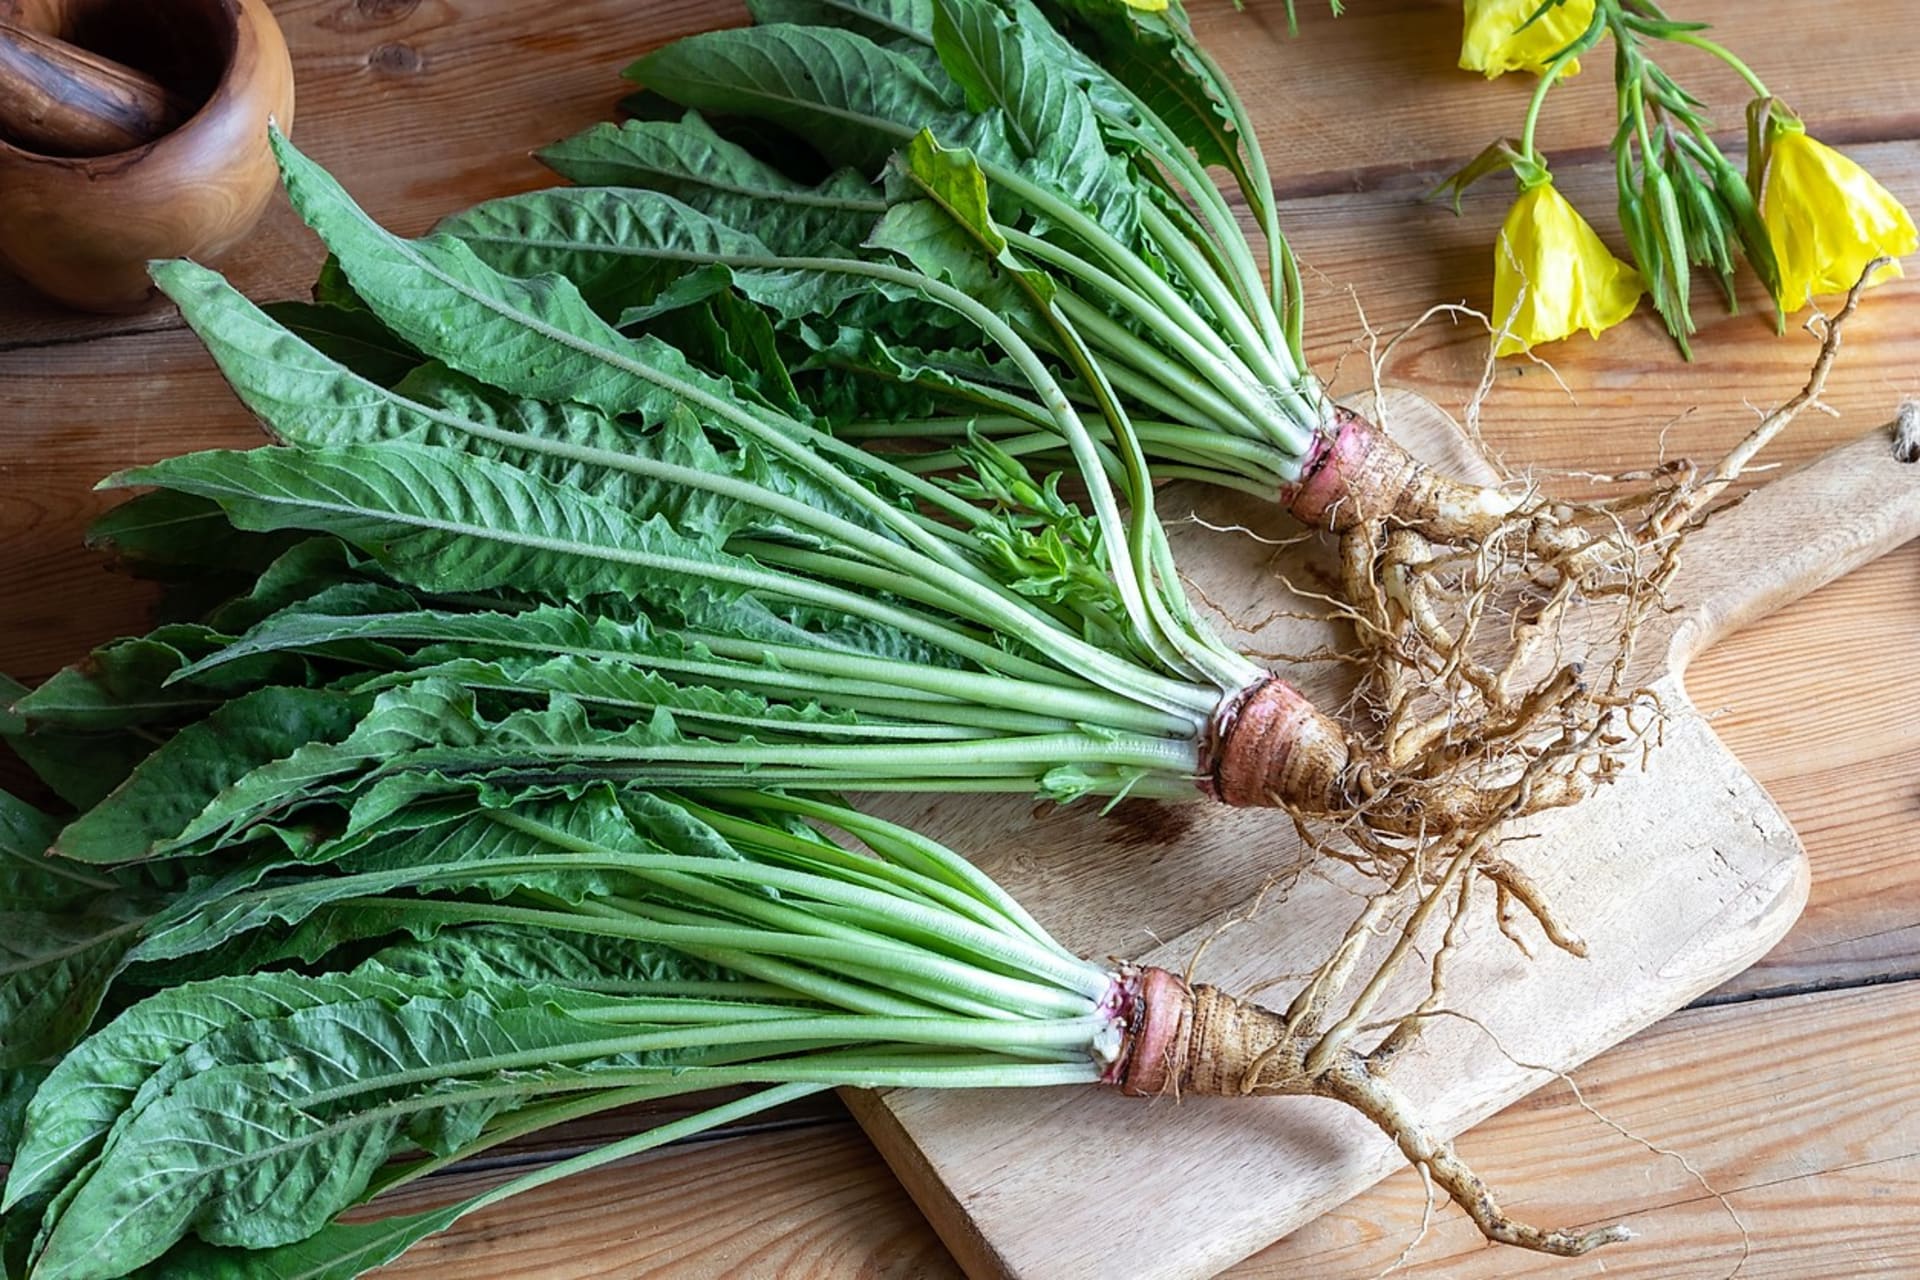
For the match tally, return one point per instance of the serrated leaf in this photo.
(29, 879)
(171, 786)
(303, 1125)
(853, 100)
(536, 338)
(426, 713)
(488, 954)
(446, 521)
(125, 683)
(1012, 66)
(78, 1103)
(54, 971)
(687, 160)
(634, 254)
(906, 21)
(350, 335)
(175, 531)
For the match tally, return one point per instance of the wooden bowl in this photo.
(82, 229)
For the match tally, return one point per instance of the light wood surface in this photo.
(1802, 1107)
(1677, 879)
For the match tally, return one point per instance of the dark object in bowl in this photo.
(81, 229)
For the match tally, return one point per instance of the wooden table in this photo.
(1781, 1115)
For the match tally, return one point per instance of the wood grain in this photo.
(1827, 1183)
(1824, 1190)
(63, 100)
(81, 230)
(424, 105)
(804, 1205)
(1676, 878)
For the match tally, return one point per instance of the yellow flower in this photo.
(1494, 43)
(1827, 219)
(1552, 275)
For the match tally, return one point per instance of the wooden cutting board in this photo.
(1678, 876)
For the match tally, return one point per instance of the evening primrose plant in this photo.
(1826, 217)
(1804, 218)
(1520, 35)
(1553, 276)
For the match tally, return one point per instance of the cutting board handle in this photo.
(1790, 537)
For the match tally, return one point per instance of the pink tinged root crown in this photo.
(1271, 746)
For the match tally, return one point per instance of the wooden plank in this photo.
(1807, 701)
(798, 1204)
(1826, 1179)
(1677, 878)
(1375, 93)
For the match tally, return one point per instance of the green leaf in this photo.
(350, 335)
(849, 98)
(1018, 67)
(307, 571)
(428, 713)
(687, 160)
(125, 683)
(29, 880)
(54, 971)
(176, 531)
(736, 339)
(448, 522)
(669, 469)
(87, 1092)
(489, 954)
(952, 235)
(620, 247)
(900, 21)
(340, 1251)
(17, 1087)
(80, 768)
(1154, 56)
(637, 254)
(440, 858)
(536, 338)
(304, 1110)
(174, 784)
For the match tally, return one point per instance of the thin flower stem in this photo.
(1700, 42)
(1539, 99)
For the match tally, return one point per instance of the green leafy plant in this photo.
(1054, 164)
(634, 568)
(304, 1024)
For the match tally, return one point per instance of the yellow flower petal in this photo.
(1827, 219)
(1552, 275)
(1494, 43)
